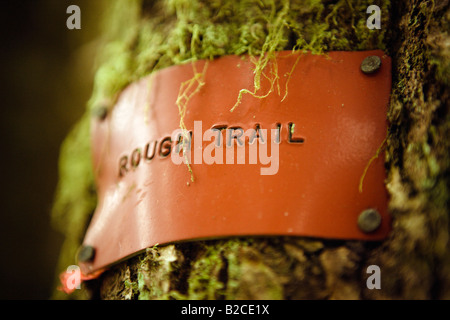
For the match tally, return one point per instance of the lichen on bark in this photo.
(415, 259)
(145, 36)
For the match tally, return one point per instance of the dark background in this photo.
(46, 80)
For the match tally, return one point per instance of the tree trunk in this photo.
(414, 260)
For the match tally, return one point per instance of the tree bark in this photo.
(414, 260)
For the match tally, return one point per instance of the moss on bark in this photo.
(414, 261)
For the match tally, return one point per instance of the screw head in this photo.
(100, 112)
(371, 64)
(369, 220)
(86, 254)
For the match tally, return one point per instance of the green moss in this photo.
(75, 196)
(117, 65)
(154, 273)
(418, 250)
(178, 31)
(143, 36)
(204, 280)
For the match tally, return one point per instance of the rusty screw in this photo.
(86, 254)
(371, 64)
(369, 220)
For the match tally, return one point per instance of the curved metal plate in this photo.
(329, 126)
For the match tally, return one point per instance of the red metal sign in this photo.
(318, 123)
